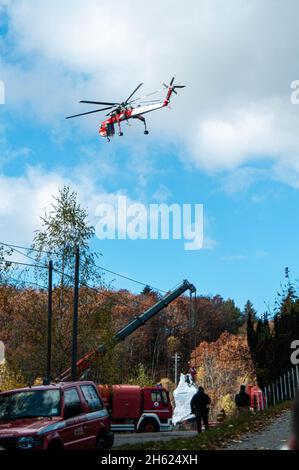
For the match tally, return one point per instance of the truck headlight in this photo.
(29, 442)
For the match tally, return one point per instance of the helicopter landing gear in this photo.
(141, 118)
(120, 133)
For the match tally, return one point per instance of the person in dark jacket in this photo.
(242, 399)
(200, 408)
(293, 443)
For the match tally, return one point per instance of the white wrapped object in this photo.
(182, 396)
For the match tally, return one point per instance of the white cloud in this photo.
(260, 254)
(238, 70)
(23, 199)
(225, 144)
(234, 258)
(7, 152)
(22, 202)
(257, 255)
(209, 243)
(162, 194)
(239, 180)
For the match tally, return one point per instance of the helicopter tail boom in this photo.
(171, 88)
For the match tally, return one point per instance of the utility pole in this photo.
(176, 358)
(49, 334)
(75, 315)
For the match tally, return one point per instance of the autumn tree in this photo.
(141, 377)
(270, 341)
(5, 266)
(222, 366)
(23, 325)
(64, 227)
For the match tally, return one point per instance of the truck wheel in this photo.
(102, 444)
(149, 425)
(55, 446)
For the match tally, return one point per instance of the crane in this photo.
(86, 361)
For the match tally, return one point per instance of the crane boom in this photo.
(137, 322)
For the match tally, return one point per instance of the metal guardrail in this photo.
(282, 389)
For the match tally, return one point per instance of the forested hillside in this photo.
(23, 326)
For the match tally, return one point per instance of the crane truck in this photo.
(134, 408)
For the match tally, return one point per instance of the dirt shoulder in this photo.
(230, 432)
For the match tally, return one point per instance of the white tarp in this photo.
(182, 397)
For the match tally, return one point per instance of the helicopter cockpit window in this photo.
(110, 129)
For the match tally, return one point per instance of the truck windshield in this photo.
(29, 404)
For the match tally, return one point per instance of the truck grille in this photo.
(8, 443)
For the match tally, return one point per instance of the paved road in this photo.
(137, 438)
(271, 438)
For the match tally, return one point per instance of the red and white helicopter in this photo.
(124, 111)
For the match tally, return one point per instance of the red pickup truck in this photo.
(54, 417)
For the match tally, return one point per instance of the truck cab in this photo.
(133, 408)
(54, 417)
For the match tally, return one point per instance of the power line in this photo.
(6, 261)
(136, 281)
(96, 289)
(71, 277)
(21, 281)
(131, 279)
(126, 304)
(26, 248)
(141, 304)
(23, 254)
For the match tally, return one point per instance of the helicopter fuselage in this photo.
(123, 111)
(106, 128)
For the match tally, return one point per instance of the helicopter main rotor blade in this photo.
(89, 112)
(172, 80)
(152, 101)
(98, 102)
(144, 96)
(137, 88)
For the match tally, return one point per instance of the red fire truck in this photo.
(257, 398)
(134, 408)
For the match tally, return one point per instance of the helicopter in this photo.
(125, 110)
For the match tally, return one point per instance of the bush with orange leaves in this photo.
(10, 380)
(222, 366)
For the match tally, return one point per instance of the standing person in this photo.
(293, 443)
(242, 399)
(200, 408)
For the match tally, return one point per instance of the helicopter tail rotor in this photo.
(172, 86)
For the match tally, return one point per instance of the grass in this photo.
(216, 438)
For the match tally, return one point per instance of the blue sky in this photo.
(230, 141)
